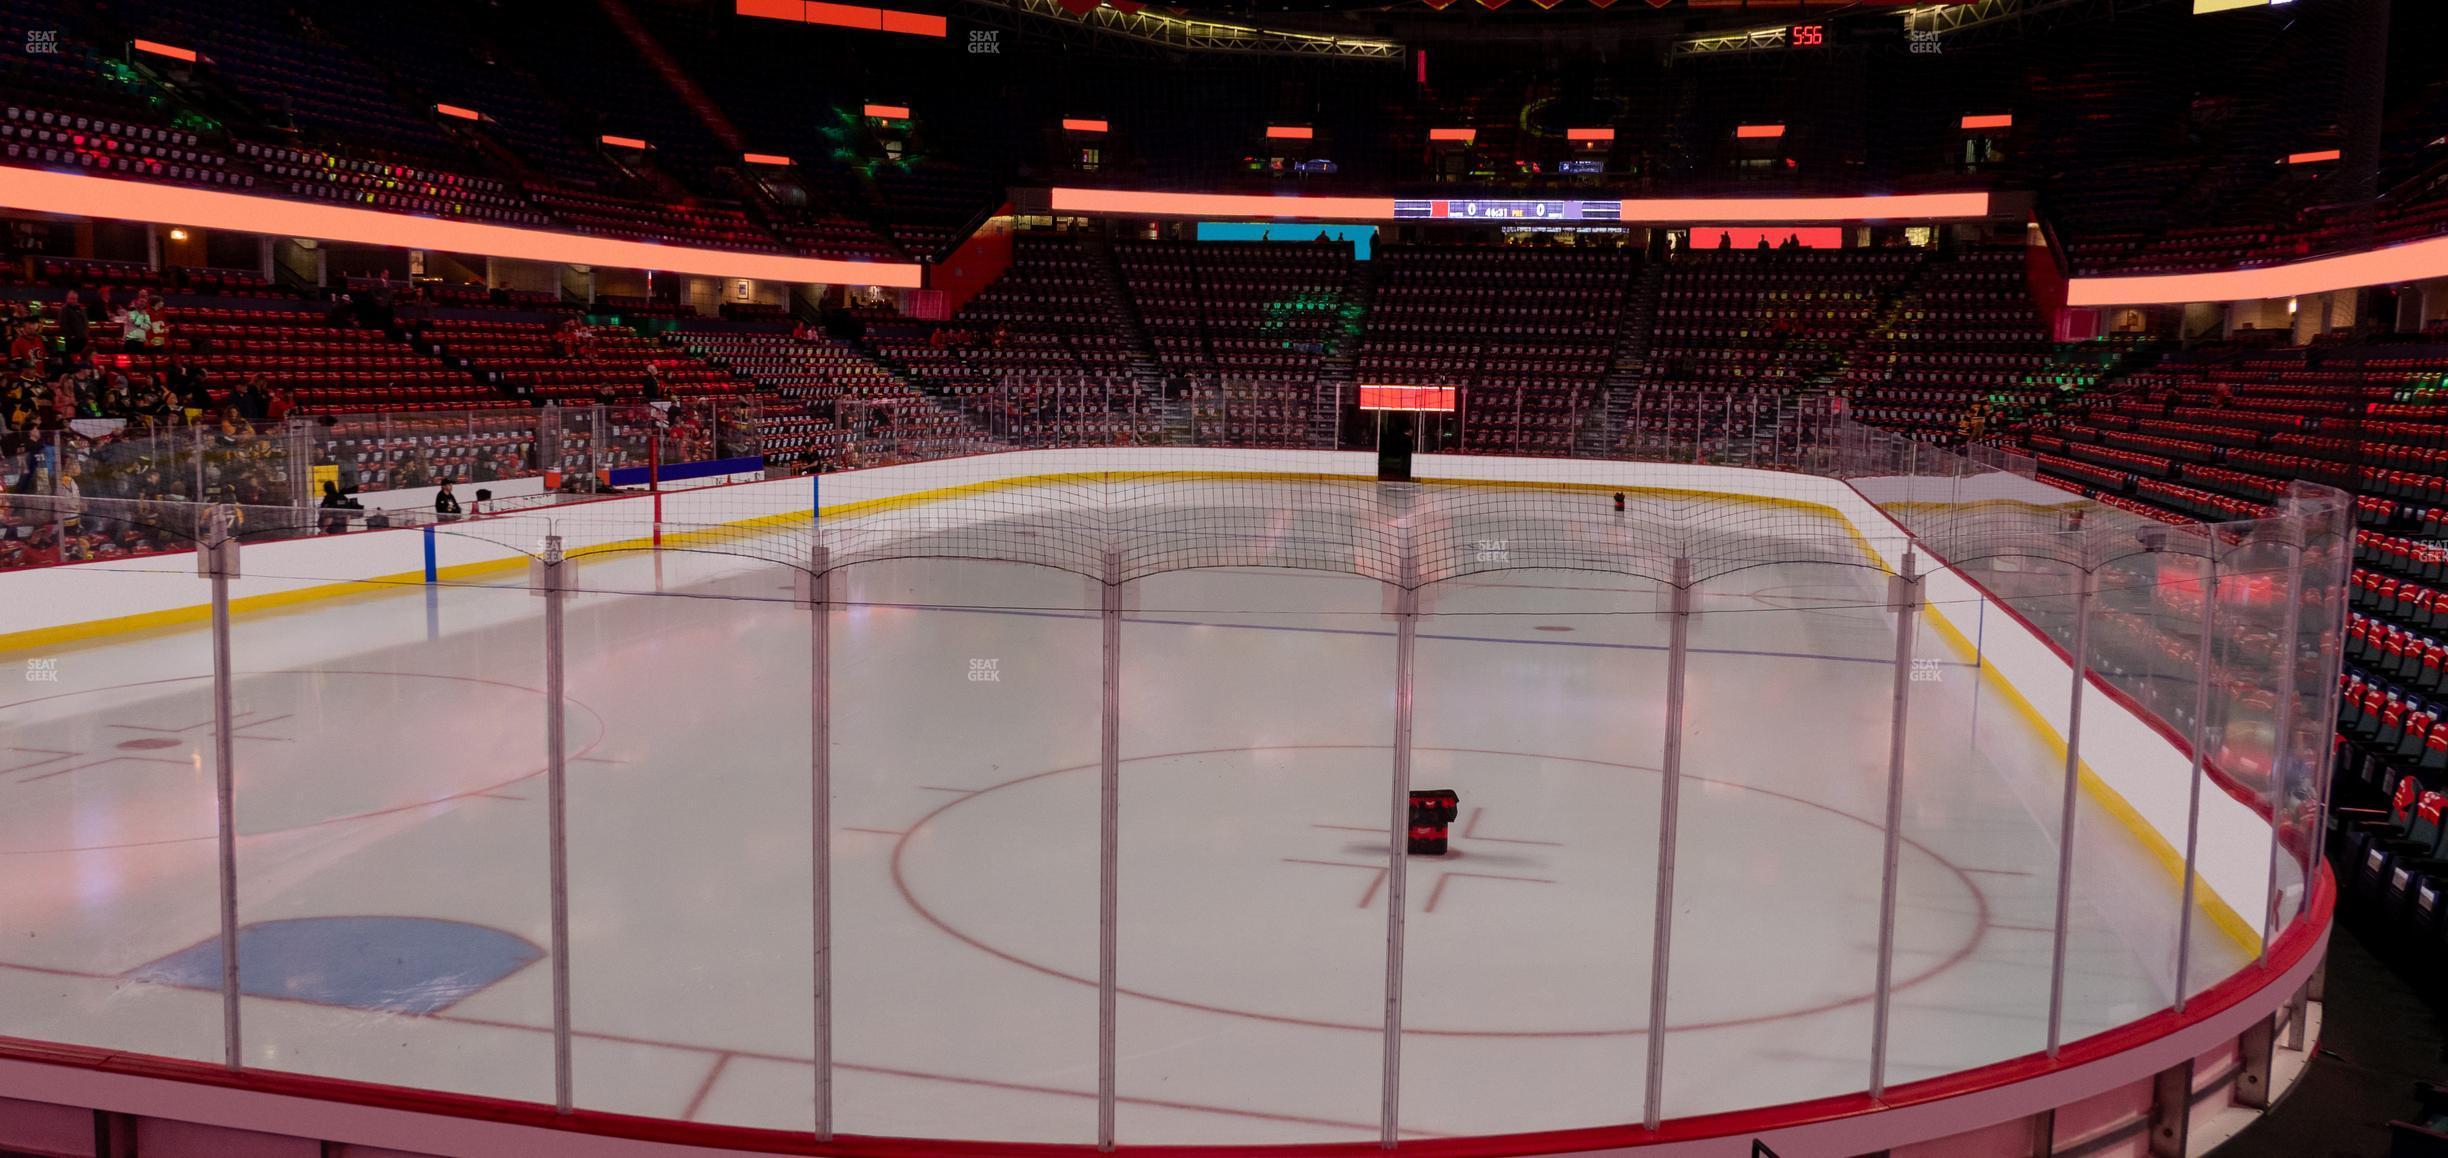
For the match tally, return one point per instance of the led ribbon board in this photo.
(1509, 210)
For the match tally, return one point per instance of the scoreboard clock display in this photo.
(1806, 35)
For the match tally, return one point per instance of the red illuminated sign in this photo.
(1438, 398)
(845, 16)
(1807, 35)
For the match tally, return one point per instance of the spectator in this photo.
(446, 504)
(334, 508)
(157, 324)
(72, 326)
(136, 326)
(71, 515)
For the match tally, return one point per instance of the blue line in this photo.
(432, 574)
(1883, 662)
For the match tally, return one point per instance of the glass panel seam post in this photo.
(1406, 645)
(820, 792)
(1109, 852)
(1907, 587)
(2085, 581)
(552, 576)
(1678, 650)
(2282, 737)
(217, 558)
(2201, 749)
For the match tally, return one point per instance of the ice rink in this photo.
(393, 866)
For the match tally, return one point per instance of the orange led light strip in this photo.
(2391, 265)
(172, 51)
(79, 195)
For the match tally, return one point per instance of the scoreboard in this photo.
(1472, 210)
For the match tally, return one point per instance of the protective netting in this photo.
(1124, 513)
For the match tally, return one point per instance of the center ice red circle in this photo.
(1270, 859)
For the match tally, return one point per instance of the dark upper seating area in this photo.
(2144, 162)
(336, 103)
(1529, 334)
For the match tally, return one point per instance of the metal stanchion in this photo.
(1109, 851)
(552, 578)
(217, 559)
(2062, 929)
(1678, 651)
(2202, 738)
(1906, 598)
(2281, 746)
(1398, 827)
(820, 789)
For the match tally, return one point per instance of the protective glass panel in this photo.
(393, 888)
(2236, 848)
(1779, 837)
(1540, 700)
(107, 815)
(1976, 862)
(2134, 783)
(692, 951)
(966, 699)
(1258, 717)
(2318, 601)
(577, 447)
